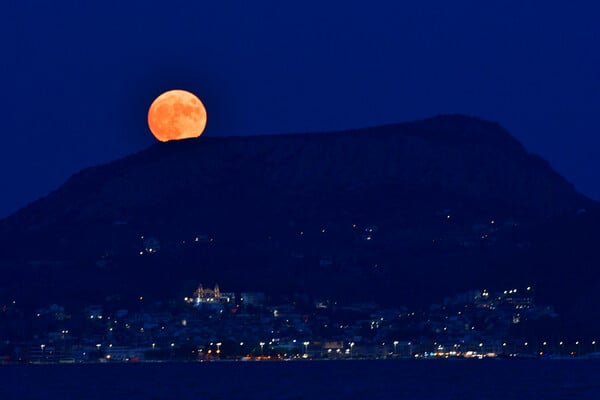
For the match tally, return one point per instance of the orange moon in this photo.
(176, 114)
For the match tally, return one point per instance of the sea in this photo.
(394, 379)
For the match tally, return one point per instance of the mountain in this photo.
(403, 214)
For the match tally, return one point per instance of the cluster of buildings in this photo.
(211, 324)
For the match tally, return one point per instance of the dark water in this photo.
(515, 379)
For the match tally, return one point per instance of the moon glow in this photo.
(176, 114)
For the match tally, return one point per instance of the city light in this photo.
(306, 347)
(262, 347)
(179, 322)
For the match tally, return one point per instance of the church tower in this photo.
(199, 292)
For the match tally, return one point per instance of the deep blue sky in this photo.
(77, 78)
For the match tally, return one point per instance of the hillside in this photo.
(404, 214)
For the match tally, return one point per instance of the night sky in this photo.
(77, 77)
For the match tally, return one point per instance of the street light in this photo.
(395, 346)
(351, 346)
(262, 347)
(306, 347)
(43, 346)
(561, 347)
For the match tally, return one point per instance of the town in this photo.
(212, 324)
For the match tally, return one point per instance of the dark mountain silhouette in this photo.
(402, 214)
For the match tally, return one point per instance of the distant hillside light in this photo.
(175, 115)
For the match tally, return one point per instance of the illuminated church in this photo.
(210, 296)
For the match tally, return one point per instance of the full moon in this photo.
(176, 114)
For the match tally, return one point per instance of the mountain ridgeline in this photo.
(403, 214)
